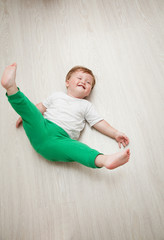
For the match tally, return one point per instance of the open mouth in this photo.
(81, 86)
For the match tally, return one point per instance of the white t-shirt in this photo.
(70, 113)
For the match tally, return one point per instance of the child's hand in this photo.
(19, 121)
(121, 138)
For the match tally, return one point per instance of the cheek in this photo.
(72, 84)
(89, 90)
(75, 82)
(89, 87)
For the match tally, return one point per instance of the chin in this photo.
(81, 94)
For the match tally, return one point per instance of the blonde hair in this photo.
(83, 69)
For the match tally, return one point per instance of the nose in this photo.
(83, 81)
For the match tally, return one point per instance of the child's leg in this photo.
(33, 121)
(62, 148)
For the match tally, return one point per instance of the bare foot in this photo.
(113, 161)
(117, 159)
(8, 79)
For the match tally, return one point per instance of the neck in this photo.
(73, 95)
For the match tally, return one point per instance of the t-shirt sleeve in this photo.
(91, 115)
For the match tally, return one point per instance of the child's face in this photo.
(79, 85)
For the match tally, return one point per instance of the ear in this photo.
(67, 83)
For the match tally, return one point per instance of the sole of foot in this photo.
(8, 77)
(117, 159)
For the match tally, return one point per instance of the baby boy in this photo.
(54, 125)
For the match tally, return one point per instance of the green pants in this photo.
(47, 138)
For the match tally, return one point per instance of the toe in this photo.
(128, 151)
(14, 65)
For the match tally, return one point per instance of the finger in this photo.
(119, 144)
(123, 144)
(18, 122)
(126, 140)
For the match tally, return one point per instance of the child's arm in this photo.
(106, 129)
(41, 108)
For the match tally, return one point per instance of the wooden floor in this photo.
(123, 43)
